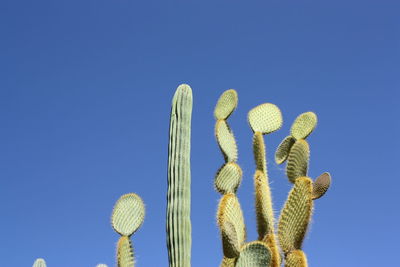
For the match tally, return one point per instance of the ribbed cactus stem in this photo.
(178, 196)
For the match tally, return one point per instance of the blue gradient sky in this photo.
(85, 93)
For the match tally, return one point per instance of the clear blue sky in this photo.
(85, 93)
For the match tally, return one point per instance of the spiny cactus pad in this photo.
(265, 118)
(230, 242)
(228, 178)
(296, 215)
(125, 252)
(297, 164)
(263, 203)
(321, 185)
(226, 141)
(254, 254)
(296, 258)
(282, 152)
(128, 214)
(39, 263)
(226, 104)
(229, 211)
(303, 125)
(259, 152)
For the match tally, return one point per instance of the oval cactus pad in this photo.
(265, 118)
(226, 104)
(254, 254)
(128, 214)
(303, 125)
(228, 178)
(226, 141)
(321, 185)
(282, 152)
(299, 156)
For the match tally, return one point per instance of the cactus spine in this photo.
(178, 195)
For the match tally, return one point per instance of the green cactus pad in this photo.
(321, 185)
(265, 118)
(231, 222)
(259, 152)
(226, 104)
(295, 215)
(39, 263)
(297, 164)
(128, 214)
(303, 125)
(227, 262)
(101, 265)
(226, 141)
(125, 252)
(282, 152)
(296, 258)
(263, 203)
(254, 254)
(228, 178)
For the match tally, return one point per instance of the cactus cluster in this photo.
(274, 246)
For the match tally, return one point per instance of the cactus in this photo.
(39, 263)
(101, 265)
(129, 211)
(178, 198)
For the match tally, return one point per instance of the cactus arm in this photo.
(178, 195)
(296, 215)
(125, 256)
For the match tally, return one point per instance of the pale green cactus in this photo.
(303, 125)
(228, 178)
(125, 256)
(39, 263)
(178, 199)
(254, 254)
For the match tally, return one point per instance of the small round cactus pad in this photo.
(228, 178)
(282, 152)
(128, 214)
(39, 263)
(254, 254)
(321, 185)
(265, 118)
(226, 104)
(303, 125)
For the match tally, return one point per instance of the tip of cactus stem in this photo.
(321, 185)
(303, 125)
(39, 262)
(128, 214)
(226, 104)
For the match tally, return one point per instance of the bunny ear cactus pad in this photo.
(226, 104)
(321, 185)
(299, 156)
(296, 215)
(282, 152)
(128, 214)
(226, 141)
(254, 254)
(125, 252)
(39, 263)
(296, 258)
(265, 118)
(228, 178)
(230, 212)
(303, 125)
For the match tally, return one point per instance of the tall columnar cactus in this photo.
(178, 196)
(39, 263)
